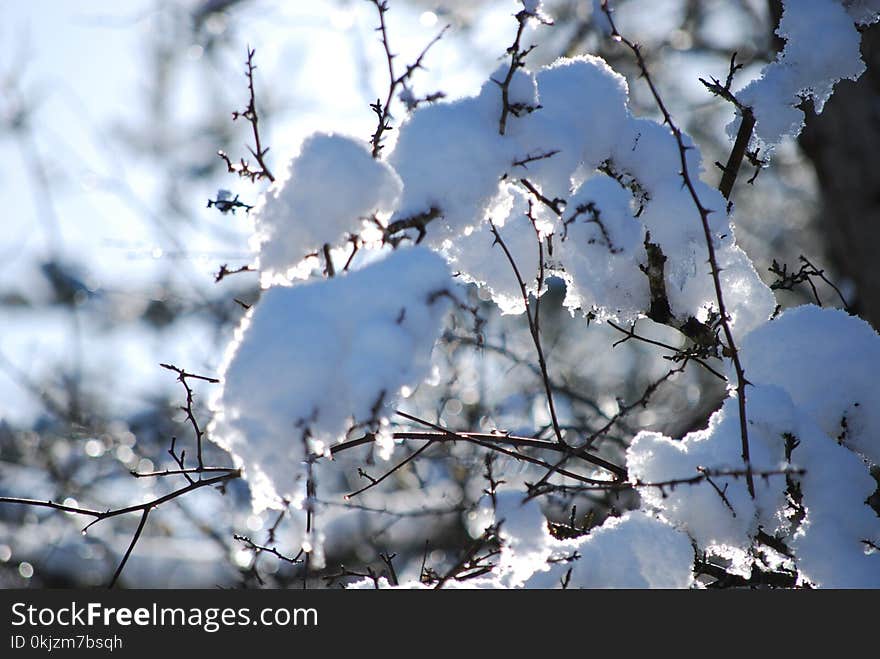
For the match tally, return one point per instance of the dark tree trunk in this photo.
(843, 144)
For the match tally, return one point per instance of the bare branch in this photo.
(243, 168)
(731, 349)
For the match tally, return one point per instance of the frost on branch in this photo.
(311, 360)
(821, 49)
(324, 194)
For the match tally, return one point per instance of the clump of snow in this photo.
(478, 258)
(451, 157)
(458, 169)
(648, 154)
(831, 536)
(582, 117)
(323, 195)
(831, 545)
(636, 550)
(718, 512)
(524, 534)
(599, 246)
(309, 360)
(525, 538)
(749, 301)
(828, 362)
(821, 48)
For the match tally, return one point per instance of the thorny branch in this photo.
(397, 467)
(491, 441)
(679, 354)
(182, 377)
(383, 110)
(623, 410)
(260, 549)
(740, 146)
(243, 168)
(225, 203)
(788, 280)
(471, 564)
(730, 349)
(134, 539)
(418, 222)
(518, 56)
(533, 317)
(143, 508)
(593, 215)
(224, 272)
(559, 387)
(703, 475)
(724, 579)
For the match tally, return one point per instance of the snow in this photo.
(310, 360)
(830, 544)
(526, 539)
(821, 48)
(451, 157)
(599, 246)
(478, 258)
(725, 524)
(828, 363)
(635, 550)
(313, 360)
(649, 155)
(583, 116)
(325, 193)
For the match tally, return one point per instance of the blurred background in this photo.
(111, 116)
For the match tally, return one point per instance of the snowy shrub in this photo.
(309, 361)
(622, 199)
(544, 180)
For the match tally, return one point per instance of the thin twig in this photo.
(182, 377)
(518, 56)
(243, 168)
(394, 469)
(134, 540)
(475, 438)
(533, 321)
(383, 110)
(262, 549)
